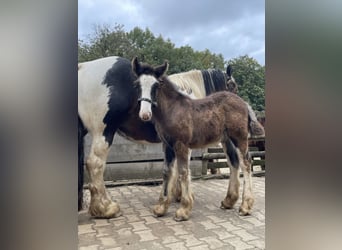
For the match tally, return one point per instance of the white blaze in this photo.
(146, 82)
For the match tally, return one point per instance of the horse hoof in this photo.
(181, 215)
(159, 210)
(110, 211)
(244, 212)
(179, 219)
(224, 205)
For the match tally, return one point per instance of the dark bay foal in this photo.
(183, 123)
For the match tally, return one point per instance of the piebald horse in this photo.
(108, 104)
(183, 123)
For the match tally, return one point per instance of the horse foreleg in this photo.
(187, 198)
(169, 179)
(100, 204)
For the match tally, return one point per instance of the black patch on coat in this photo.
(123, 95)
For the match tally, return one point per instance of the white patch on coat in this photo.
(93, 96)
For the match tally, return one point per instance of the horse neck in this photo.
(167, 94)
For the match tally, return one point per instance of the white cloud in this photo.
(231, 28)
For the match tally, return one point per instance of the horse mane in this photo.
(171, 87)
(190, 82)
(201, 82)
(214, 80)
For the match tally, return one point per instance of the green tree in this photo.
(108, 41)
(105, 41)
(250, 77)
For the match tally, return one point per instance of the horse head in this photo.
(231, 84)
(148, 77)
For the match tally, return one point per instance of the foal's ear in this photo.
(161, 70)
(136, 66)
(229, 70)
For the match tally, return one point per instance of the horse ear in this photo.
(229, 70)
(136, 66)
(161, 70)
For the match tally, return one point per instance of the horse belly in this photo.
(205, 140)
(135, 130)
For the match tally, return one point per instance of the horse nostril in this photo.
(146, 116)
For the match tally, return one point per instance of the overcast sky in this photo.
(231, 28)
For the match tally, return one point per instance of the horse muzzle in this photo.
(145, 116)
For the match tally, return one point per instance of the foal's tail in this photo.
(81, 133)
(255, 128)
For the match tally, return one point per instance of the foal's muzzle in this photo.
(145, 112)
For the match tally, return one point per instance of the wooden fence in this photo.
(214, 158)
(135, 161)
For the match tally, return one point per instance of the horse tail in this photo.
(81, 133)
(255, 128)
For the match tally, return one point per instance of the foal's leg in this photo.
(247, 195)
(100, 204)
(169, 179)
(234, 184)
(187, 199)
(178, 190)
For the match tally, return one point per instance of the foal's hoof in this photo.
(246, 207)
(182, 215)
(226, 205)
(159, 210)
(244, 211)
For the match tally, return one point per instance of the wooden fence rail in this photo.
(210, 159)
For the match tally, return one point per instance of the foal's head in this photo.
(148, 77)
(231, 84)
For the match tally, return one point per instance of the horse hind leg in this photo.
(100, 204)
(187, 198)
(234, 184)
(247, 194)
(81, 133)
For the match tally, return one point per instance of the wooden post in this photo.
(204, 166)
